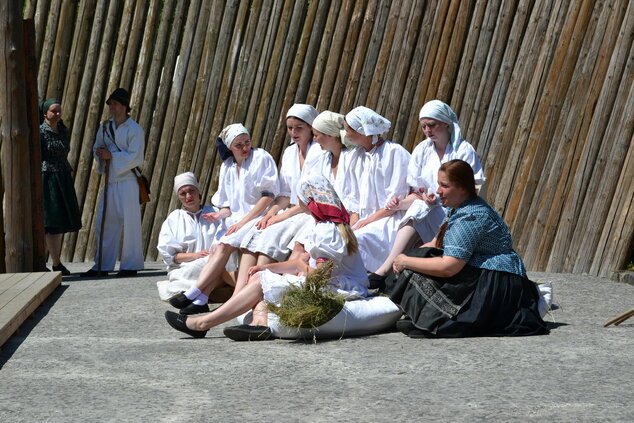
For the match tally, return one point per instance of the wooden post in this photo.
(35, 150)
(15, 132)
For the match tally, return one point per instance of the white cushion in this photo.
(358, 317)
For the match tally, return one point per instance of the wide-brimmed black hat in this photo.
(120, 95)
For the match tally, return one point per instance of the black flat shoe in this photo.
(61, 268)
(177, 321)
(248, 333)
(405, 326)
(194, 309)
(180, 300)
(92, 273)
(376, 281)
(126, 273)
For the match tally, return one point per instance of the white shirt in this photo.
(381, 174)
(290, 170)
(126, 149)
(422, 171)
(240, 192)
(186, 232)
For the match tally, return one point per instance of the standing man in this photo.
(119, 144)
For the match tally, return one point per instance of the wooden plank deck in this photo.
(20, 295)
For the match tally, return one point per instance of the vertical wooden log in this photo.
(35, 148)
(61, 52)
(41, 17)
(15, 132)
(312, 50)
(135, 37)
(48, 46)
(324, 49)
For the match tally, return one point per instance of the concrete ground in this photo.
(100, 350)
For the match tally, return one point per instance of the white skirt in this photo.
(274, 240)
(235, 239)
(425, 219)
(376, 239)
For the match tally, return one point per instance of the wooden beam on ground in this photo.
(20, 295)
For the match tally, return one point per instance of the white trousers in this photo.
(123, 217)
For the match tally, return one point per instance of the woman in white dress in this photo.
(268, 241)
(187, 238)
(381, 174)
(333, 163)
(332, 239)
(247, 186)
(424, 215)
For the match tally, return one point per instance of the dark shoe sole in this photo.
(405, 326)
(194, 309)
(180, 300)
(94, 274)
(126, 273)
(248, 333)
(177, 321)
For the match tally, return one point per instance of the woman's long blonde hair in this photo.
(352, 245)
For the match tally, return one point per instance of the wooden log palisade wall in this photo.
(543, 90)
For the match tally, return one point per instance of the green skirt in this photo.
(61, 211)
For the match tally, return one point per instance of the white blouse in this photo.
(290, 170)
(187, 232)
(241, 191)
(422, 171)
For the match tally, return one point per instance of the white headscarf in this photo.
(438, 110)
(228, 134)
(331, 123)
(368, 122)
(305, 112)
(184, 179)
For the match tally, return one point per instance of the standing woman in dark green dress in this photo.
(61, 212)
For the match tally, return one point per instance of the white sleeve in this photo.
(396, 163)
(268, 181)
(467, 153)
(131, 147)
(327, 243)
(416, 164)
(168, 243)
(286, 170)
(220, 199)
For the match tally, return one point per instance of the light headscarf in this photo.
(305, 112)
(228, 134)
(368, 122)
(184, 179)
(438, 110)
(331, 123)
(321, 199)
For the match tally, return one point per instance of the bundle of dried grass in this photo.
(311, 305)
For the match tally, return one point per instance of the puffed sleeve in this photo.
(416, 163)
(396, 172)
(464, 233)
(168, 241)
(327, 243)
(221, 198)
(285, 176)
(467, 153)
(266, 182)
(350, 162)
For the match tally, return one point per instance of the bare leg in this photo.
(404, 240)
(247, 261)
(240, 303)
(260, 315)
(54, 246)
(209, 277)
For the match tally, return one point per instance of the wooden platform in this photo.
(20, 295)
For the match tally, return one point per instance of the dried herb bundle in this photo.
(311, 305)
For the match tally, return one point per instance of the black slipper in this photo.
(194, 309)
(177, 321)
(180, 300)
(405, 326)
(248, 333)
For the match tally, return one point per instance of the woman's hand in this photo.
(234, 228)
(393, 204)
(360, 224)
(354, 218)
(275, 219)
(263, 223)
(103, 153)
(399, 263)
(430, 199)
(253, 270)
(211, 217)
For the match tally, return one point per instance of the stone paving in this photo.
(100, 350)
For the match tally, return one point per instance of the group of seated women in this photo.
(346, 195)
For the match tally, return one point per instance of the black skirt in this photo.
(61, 211)
(474, 302)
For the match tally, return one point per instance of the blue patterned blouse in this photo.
(479, 236)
